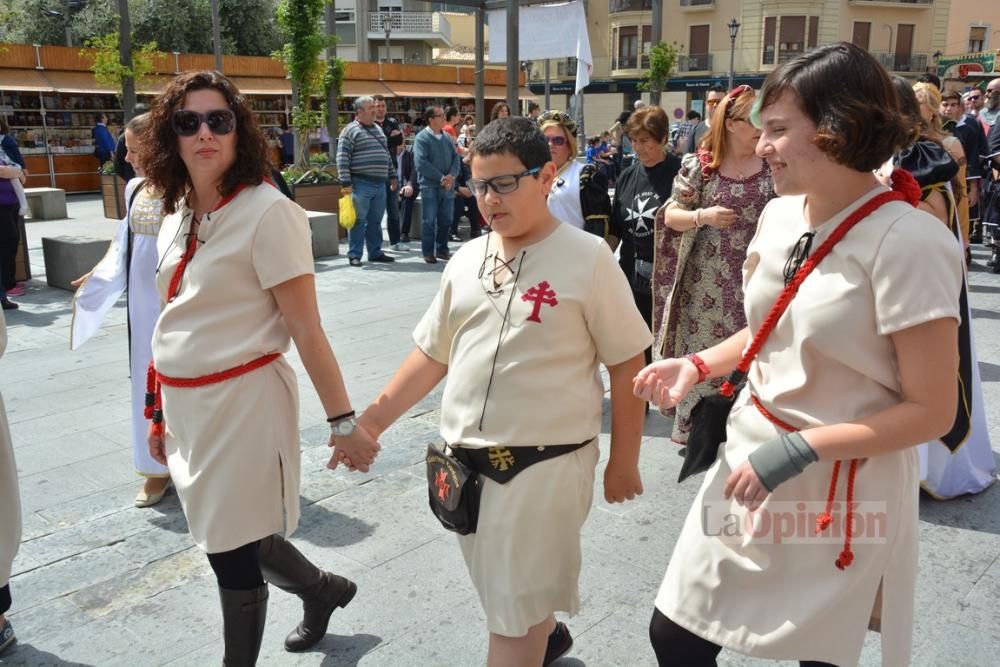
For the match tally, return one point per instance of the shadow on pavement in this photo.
(346, 650)
(26, 654)
(326, 528)
(980, 512)
(989, 372)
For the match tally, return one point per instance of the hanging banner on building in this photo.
(961, 66)
(546, 31)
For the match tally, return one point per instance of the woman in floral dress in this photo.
(702, 235)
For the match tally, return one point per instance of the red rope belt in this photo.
(846, 556)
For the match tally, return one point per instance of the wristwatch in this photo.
(345, 427)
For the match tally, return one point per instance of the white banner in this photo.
(546, 31)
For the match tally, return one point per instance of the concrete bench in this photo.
(46, 203)
(69, 257)
(325, 233)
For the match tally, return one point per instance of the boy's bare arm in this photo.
(414, 380)
(621, 477)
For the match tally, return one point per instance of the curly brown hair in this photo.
(164, 168)
(850, 98)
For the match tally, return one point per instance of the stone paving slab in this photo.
(99, 582)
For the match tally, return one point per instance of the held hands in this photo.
(666, 382)
(719, 217)
(621, 481)
(357, 451)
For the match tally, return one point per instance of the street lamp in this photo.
(387, 25)
(734, 28)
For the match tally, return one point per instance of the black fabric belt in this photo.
(502, 464)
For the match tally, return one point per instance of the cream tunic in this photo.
(525, 558)
(10, 500)
(775, 593)
(564, 198)
(232, 447)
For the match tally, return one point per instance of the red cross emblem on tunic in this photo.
(441, 482)
(541, 293)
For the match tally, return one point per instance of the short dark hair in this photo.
(430, 112)
(516, 136)
(651, 120)
(166, 171)
(532, 106)
(849, 96)
(930, 77)
(951, 95)
(717, 88)
(450, 112)
(691, 115)
(378, 98)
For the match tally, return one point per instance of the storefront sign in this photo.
(960, 67)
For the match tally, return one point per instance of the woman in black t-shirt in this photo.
(642, 189)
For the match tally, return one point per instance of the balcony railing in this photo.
(618, 6)
(695, 62)
(630, 62)
(901, 62)
(697, 3)
(401, 24)
(921, 3)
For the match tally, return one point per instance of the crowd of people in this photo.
(751, 277)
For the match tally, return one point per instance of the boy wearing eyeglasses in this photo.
(520, 331)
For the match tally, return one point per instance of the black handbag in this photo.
(453, 491)
(710, 414)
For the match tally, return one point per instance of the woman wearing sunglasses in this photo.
(579, 194)
(701, 241)
(804, 533)
(236, 279)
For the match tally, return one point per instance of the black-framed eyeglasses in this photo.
(501, 185)
(186, 122)
(800, 251)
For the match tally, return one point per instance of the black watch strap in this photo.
(333, 420)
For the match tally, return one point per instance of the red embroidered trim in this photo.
(846, 557)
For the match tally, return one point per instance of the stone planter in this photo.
(324, 197)
(113, 195)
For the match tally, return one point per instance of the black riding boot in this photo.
(321, 592)
(243, 616)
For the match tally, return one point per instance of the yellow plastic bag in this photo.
(347, 216)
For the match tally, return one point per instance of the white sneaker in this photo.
(400, 247)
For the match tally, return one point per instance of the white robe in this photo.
(10, 500)
(117, 273)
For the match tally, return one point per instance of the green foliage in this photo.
(249, 27)
(108, 168)
(98, 17)
(302, 176)
(301, 21)
(176, 25)
(662, 60)
(28, 23)
(107, 66)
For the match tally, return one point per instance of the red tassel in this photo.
(823, 522)
(845, 559)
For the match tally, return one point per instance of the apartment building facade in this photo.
(907, 36)
(398, 31)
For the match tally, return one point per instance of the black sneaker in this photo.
(560, 642)
(382, 258)
(430, 259)
(444, 256)
(9, 305)
(355, 261)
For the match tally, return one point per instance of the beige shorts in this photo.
(524, 558)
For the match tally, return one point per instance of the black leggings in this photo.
(675, 645)
(10, 238)
(239, 569)
(5, 600)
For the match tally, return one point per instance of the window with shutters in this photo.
(786, 37)
(977, 38)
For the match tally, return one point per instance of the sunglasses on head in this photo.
(186, 122)
(739, 90)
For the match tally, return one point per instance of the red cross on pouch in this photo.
(442, 484)
(540, 294)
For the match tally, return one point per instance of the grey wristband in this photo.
(779, 459)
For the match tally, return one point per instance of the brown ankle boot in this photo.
(321, 592)
(243, 617)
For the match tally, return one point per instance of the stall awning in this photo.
(500, 92)
(262, 85)
(424, 89)
(361, 88)
(78, 83)
(23, 80)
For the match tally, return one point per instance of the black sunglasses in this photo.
(800, 251)
(186, 123)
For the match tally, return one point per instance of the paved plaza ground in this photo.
(99, 582)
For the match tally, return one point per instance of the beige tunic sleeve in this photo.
(616, 327)
(282, 246)
(905, 297)
(433, 333)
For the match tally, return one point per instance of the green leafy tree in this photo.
(176, 25)
(30, 25)
(107, 66)
(95, 19)
(249, 27)
(662, 60)
(300, 19)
